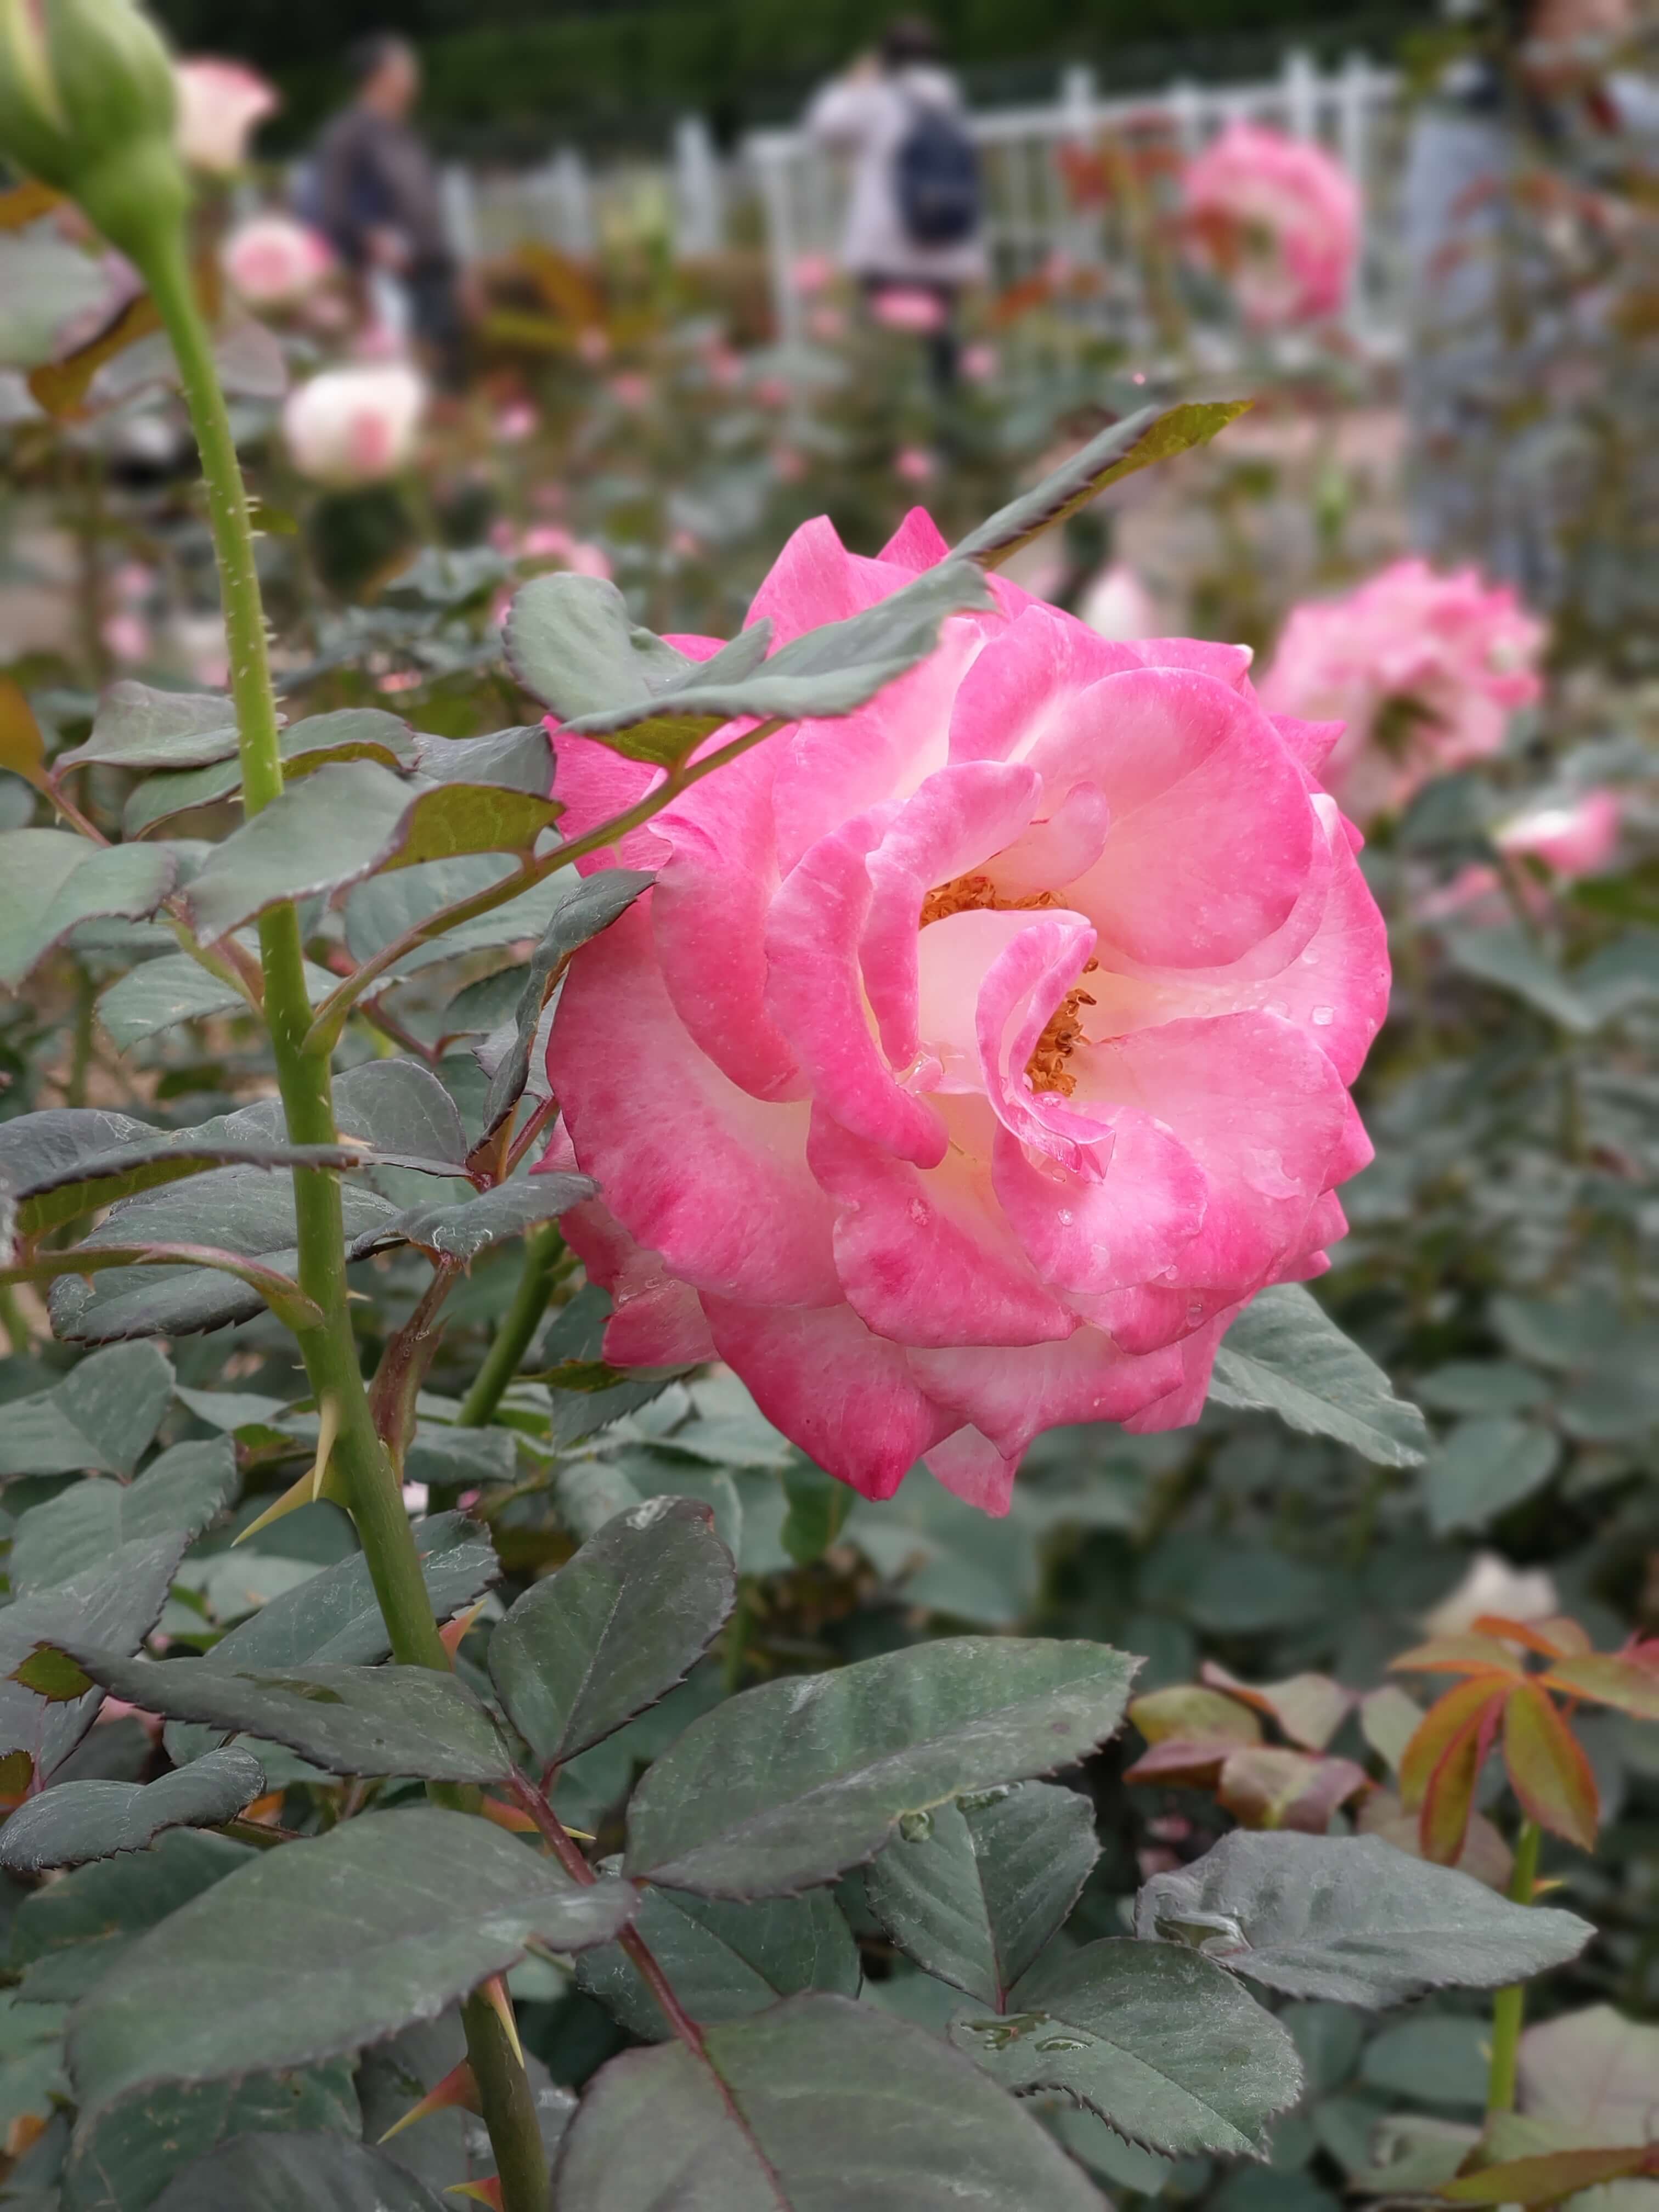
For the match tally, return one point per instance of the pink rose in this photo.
(913, 464)
(1424, 671)
(979, 362)
(1279, 218)
(907, 307)
(551, 541)
(975, 1058)
(272, 261)
(355, 426)
(1575, 839)
(516, 423)
(810, 273)
(220, 103)
(631, 390)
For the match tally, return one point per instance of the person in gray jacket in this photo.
(914, 216)
(377, 199)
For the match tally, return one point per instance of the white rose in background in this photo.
(272, 261)
(1117, 604)
(355, 426)
(220, 104)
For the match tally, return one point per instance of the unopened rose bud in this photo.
(86, 105)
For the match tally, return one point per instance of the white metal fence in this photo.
(1032, 214)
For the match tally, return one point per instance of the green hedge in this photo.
(509, 77)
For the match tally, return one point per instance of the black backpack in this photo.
(936, 177)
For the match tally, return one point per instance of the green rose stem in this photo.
(1509, 2006)
(544, 1260)
(329, 1350)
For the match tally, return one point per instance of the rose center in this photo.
(1046, 1069)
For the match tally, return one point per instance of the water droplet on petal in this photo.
(1323, 1016)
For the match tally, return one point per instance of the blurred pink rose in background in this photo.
(827, 325)
(810, 273)
(979, 362)
(914, 465)
(907, 307)
(272, 260)
(550, 541)
(1575, 838)
(1118, 605)
(789, 464)
(517, 422)
(1424, 670)
(220, 105)
(355, 426)
(975, 1057)
(1278, 218)
(594, 345)
(631, 390)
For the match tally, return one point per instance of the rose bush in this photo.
(975, 1058)
(1423, 669)
(1278, 218)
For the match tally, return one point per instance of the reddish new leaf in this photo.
(1445, 1721)
(1457, 1655)
(1550, 2177)
(1268, 1788)
(1309, 1708)
(1443, 1762)
(1193, 1758)
(1547, 1768)
(1558, 1638)
(1625, 1679)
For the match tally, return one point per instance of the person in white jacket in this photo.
(914, 219)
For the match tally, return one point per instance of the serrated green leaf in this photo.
(827, 671)
(101, 1416)
(724, 1961)
(1483, 1468)
(1285, 1355)
(615, 1629)
(138, 727)
(1350, 1919)
(131, 2151)
(1158, 2042)
(348, 1720)
(160, 993)
(976, 1888)
(349, 733)
(570, 641)
(296, 2173)
(348, 822)
(519, 759)
(55, 881)
(816, 2104)
(463, 1230)
(1153, 434)
(787, 1785)
(325, 1946)
(67, 1934)
(79, 1821)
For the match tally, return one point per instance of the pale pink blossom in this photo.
(1118, 605)
(516, 423)
(827, 325)
(810, 273)
(1575, 837)
(220, 105)
(914, 465)
(273, 261)
(908, 307)
(355, 426)
(631, 390)
(399, 679)
(551, 541)
(1279, 218)
(788, 463)
(1492, 1585)
(973, 1058)
(1424, 670)
(979, 362)
(126, 635)
(771, 392)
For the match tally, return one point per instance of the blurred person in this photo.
(913, 234)
(376, 200)
(1525, 169)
